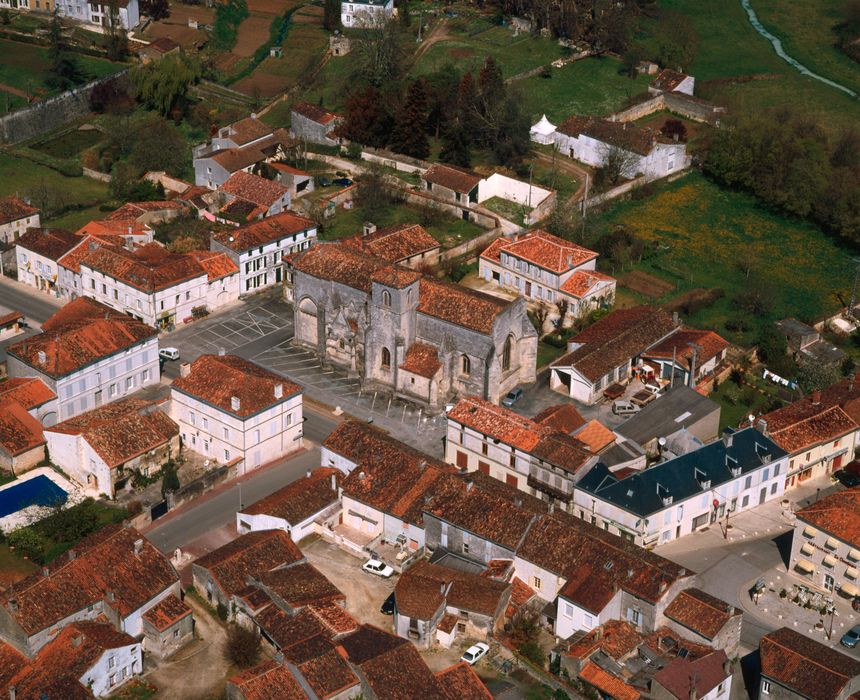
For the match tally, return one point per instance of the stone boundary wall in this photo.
(676, 102)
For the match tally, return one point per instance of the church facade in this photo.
(400, 331)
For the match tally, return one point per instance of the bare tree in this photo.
(541, 314)
(618, 164)
(379, 50)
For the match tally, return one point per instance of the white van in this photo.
(622, 407)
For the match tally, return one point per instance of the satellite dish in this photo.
(752, 418)
(662, 442)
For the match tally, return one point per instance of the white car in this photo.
(169, 353)
(378, 568)
(475, 653)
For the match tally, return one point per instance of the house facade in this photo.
(22, 440)
(16, 216)
(311, 123)
(365, 13)
(268, 197)
(37, 252)
(228, 408)
(453, 184)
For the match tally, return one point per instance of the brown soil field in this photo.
(253, 33)
(260, 84)
(645, 284)
(176, 26)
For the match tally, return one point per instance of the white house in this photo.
(88, 354)
(229, 408)
(37, 253)
(678, 497)
(156, 286)
(365, 13)
(296, 508)
(259, 248)
(16, 216)
(93, 12)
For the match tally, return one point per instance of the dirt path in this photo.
(565, 164)
(13, 91)
(439, 33)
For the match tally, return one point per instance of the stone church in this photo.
(400, 331)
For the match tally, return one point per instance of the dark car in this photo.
(848, 479)
(388, 605)
(343, 181)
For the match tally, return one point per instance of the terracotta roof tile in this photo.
(493, 251)
(259, 233)
(460, 682)
(460, 305)
(339, 263)
(563, 417)
(233, 159)
(88, 243)
(314, 112)
(27, 391)
(837, 514)
(286, 630)
(114, 227)
(11, 662)
(608, 684)
(13, 209)
(134, 210)
(668, 80)
(401, 674)
(447, 623)
(595, 436)
(615, 638)
(245, 130)
(498, 569)
(302, 499)
(805, 666)
(361, 443)
(217, 379)
(394, 243)
(149, 268)
(624, 135)
(249, 555)
(422, 359)
(369, 643)
(323, 668)
(521, 592)
(423, 587)
(284, 168)
(678, 345)
(51, 243)
(547, 251)
(451, 177)
(581, 282)
(683, 676)
(216, 265)
(299, 585)
(700, 612)
(168, 612)
(394, 276)
(268, 681)
(803, 424)
(19, 431)
(73, 345)
(121, 430)
(336, 620)
(255, 189)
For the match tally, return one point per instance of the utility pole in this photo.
(696, 348)
(854, 287)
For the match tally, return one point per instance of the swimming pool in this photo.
(38, 491)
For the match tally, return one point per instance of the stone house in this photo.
(806, 345)
(401, 332)
(104, 448)
(33, 395)
(37, 252)
(16, 216)
(403, 244)
(355, 442)
(268, 197)
(167, 627)
(709, 677)
(314, 124)
(452, 184)
(22, 441)
(688, 354)
(158, 49)
(672, 81)
(705, 619)
(298, 182)
(87, 354)
(365, 13)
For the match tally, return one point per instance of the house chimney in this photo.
(598, 633)
(77, 639)
(369, 227)
(762, 426)
(552, 507)
(13, 605)
(279, 391)
(184, 369)
(518, 502)
(470, 485)
(46, 571)
(72, 555)
(675, 319)
(43, 358)
(111, 596)
(138, 546)
(727, 668)
(235, 403)
(362, 475)
(221, 352)
(334, 482)
(816, 397)
(12, 692)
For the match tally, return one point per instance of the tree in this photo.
(64, 71)
(380, 51)
(111, 96)
(331, 15)
(540, 315)
(115, 34)
(169, 479)
(158, 145)
(242, 647)
(630, 62)
(813, 376)
(677, 41)
(367, 119)
(410, 126)
(163, 85)
(455, 147)
(373, 194)
(403, 12)
(155, 9)
(674, 129)
(618, 164)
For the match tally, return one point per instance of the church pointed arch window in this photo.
(507, 350)
(386, 358)
(465, 365)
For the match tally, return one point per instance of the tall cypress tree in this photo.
(64, 71)
(410, 128)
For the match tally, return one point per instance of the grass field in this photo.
(25, 67)
(731, 53)
(70, 143)
(705, 233)
(590, 86)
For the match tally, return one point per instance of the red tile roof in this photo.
(104, 568)
(167, 613)
(313, 112)
(299, 585)
(70, 345)
(595, 436)
(683, 676)
(615, 339)
(362, 443)
(149, 268)
(260, 233)
(624, 135)
(399, 673)
(422, 359)
(233, 159)
(546, 250)
(460, 305)
(452, 178)
(217, 379)
(581, 282)
(51, 243)
(88, 243)
(700, 612)
(615, 638)
(668, 80)
(249, 555)
(285, 630)
(134, 210)
(27, 391)
(805, 666)
(114, 227)
(394, 243)
(284, 168)
(255, 189)
(13, 209)
(678, 345)
(562, 417)
(302, 499)
(607, 684)
(11, 662)
(837, 514)
(121, 430)
(246, 130)
(268, 681)
(322, 667)
(216, 265)
(804, 424)
(394, 276)
(19, 431)
(460, 682)
(339, 263)
(334, 618)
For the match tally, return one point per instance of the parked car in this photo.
(512, 397)
(343, 181)
(475, 653)
(848, 479)
(169, 353)
(851, 637)
(622, 407)
(653, 388)
(388, 605)
(378, 568)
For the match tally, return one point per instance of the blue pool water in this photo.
(39, 491)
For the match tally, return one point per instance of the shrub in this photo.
(170, 480)
(531, 650)
(222, 611)
(30, 543)
(243, 646)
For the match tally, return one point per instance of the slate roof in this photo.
(260, 233)
(608, 684)
(581, 282)
(104, 563)
(422, 359)
(302, 499)
(13, 209)
(453, 178)
(299, 585)
(700, 612)
(642, 493)
(167, 613)
(623, 135)
(255, 189)
(460, 682)
(19, 431)
(837, 514)
(268, 681)
(394, 243)
(615, 339)
(79, 334)
(546, 251)
(121, 430)
(805, 666)
(682, 675)
(249, 555)
(315, 113)
(668, 80)
(678, 344)
(216, 379)
(51, 243)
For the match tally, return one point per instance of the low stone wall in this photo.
(96, 175)
(203, 484)
(675, 102)
(395, 161)
(473, 245)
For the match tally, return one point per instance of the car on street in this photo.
(388, 605)
(169, 353)
(378, 568)
(475, 653)
(848, 479)
(512, 397)
(851, 637)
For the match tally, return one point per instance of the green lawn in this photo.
(507, 209)
(730, 49)
(70, 143)
(546, 353)
(706, 235)
(737, 402)
(589, 86)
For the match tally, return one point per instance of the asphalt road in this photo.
(37, 307)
